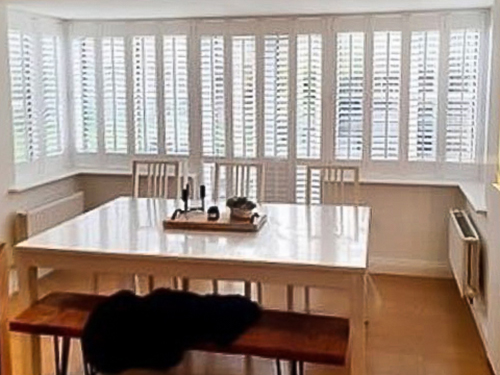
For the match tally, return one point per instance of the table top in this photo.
(315, 235)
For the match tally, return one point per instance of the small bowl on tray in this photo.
(241, 208)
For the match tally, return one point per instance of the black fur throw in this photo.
(153, 332)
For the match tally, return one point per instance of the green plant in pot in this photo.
(241, 208)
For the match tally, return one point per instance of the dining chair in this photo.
(156, 179)
(5, 360)
(242, 179)
(330, 184)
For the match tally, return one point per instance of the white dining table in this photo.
(323, 246)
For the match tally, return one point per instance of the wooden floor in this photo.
(416, 327)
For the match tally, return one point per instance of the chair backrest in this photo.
(34, 221)
(239, 179)
(5, 360)
(157, 174)
(334, 184)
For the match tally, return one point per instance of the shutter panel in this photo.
(276, 90)
(145, 106)
(463, 81)
(84, 94)
(309, 56)
(21, 58)
(350, 93)
(424, 70)
(386, 95)
(213, 99)
(114, 95)
(244, 101)
(176, 94)
(52, 108)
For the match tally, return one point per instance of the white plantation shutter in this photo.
(145, 106)
(244, 101)
(309, 72)
(84, 94)
(212, 95)
(276, 90)
(176, 94)
(386, 95)
(51, 92)
(424, 70)
(350, 93)
(22, 70)
(463, 81)
(114, 95)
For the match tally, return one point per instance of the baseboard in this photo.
(409, 267)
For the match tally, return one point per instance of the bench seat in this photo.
(277, 335)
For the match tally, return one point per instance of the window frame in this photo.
(328, 26)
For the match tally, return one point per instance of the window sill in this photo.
(474, 192)
(23, 187)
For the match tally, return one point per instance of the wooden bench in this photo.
(278, 335)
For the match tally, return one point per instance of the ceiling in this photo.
(144, 9)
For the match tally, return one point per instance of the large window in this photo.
(394, 94)
(37, 95)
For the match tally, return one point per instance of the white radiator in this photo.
(47, 216)
(464, 253)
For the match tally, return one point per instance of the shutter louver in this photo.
(386, 95)
(463, 81)
(115, 95)
(244, 101)
(309, 72)
(21, 57)
(84, 94)
(276, 90)
(424, 71)
(145, 106)
(52, 109)
(176, 95)
(350, 93)
(213, 97)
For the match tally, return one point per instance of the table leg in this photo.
(28, 293)
(358, 328)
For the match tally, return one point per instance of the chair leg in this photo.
(135, 284)
(95, 283)
(62, 355)
(215, 286)
(175, 283)
(293, 368)
(248, 289)
(151, 283)
(185, 285)
(260, 294)
(301, 368)
(307, 300)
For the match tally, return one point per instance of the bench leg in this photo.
(87, 368)
(62, 355)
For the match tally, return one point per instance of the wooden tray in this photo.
(198, 221)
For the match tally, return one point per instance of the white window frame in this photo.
(327, 26)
